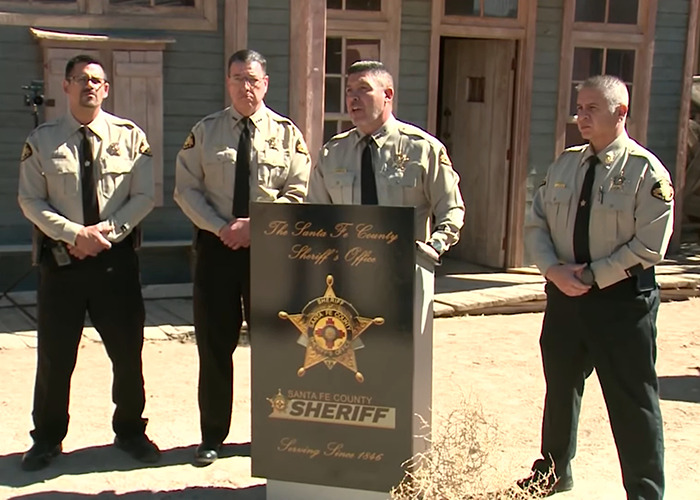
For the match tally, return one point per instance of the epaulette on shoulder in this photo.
(576, 149)
(45, 125)
(279, 118)
(342, 135)
(415, 132)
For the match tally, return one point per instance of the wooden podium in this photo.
(341, 338)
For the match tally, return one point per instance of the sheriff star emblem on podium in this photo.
(330, 330)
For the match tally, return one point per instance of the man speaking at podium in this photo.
(383, 161)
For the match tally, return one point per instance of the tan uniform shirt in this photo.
(631, 216)
(205, 170)
(411, 169)
(50, 192)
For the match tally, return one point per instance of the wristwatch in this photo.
(587, 276)
(437, 245)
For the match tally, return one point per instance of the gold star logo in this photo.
(330, 329)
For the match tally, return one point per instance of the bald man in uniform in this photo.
(242, 153)
(383, 161)
(598, 224)
(86, 181)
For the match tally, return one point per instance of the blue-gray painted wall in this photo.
(666, 79)
(412, 94)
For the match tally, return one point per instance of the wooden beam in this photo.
(522, 112)
(434, 67)
(307, 70)
(679, 172)
(235, 32)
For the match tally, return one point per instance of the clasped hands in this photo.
(567, 278)
(91, 240)
(236, 234)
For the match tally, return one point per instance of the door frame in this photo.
(522, 30)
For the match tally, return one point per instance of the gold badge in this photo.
(400, 161)
(559, 185)
(272, 143)
(617, 183)
(301, 147)
(609, 158)
(113, 149)
(26, 151)
(444, 159)
(189, 142)
(662, 190)
(330, 330)
(145, 149)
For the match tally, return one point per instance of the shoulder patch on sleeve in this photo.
(444, 159)
(189, 142)
(662, 190)
(145, 149)
(26, 151)
(301, 147)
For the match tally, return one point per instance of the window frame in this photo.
(100, 14)
(638, 38)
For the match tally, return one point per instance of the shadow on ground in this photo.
(194, 493)
(684, 388)
(103, 458)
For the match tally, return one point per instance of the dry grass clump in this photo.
(457, 464)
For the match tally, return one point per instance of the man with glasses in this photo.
(243, 153)
(85, 182)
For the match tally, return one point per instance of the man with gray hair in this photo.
(598, 224)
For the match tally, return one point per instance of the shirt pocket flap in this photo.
(273, 158)
(61, 166)
(560, 195)
(117, 165)
(341, 179)
(616, 200)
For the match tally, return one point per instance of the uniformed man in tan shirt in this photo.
(86, 182)
(384, 161)
(242, 153)
(598, 224)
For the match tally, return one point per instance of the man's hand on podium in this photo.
(428, 250)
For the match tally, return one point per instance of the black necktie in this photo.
(582, 250)
(241, 190)
(368, 183)
(91, 209)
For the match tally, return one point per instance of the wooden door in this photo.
(475, 125)
(137, 94)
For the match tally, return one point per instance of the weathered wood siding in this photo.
(414, 62)
(666, 80)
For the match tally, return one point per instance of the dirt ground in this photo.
(491, 359)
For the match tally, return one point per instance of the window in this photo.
(607, 11)
(341, 52)
(606, 37)
(134, 14)
(482, 8)
(356, 30)
(372, 5)
(597, 61)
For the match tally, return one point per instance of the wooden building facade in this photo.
(493, 79)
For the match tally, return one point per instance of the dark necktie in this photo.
(241, 190)
(368, 182)
(582, 248)
(91, 209)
